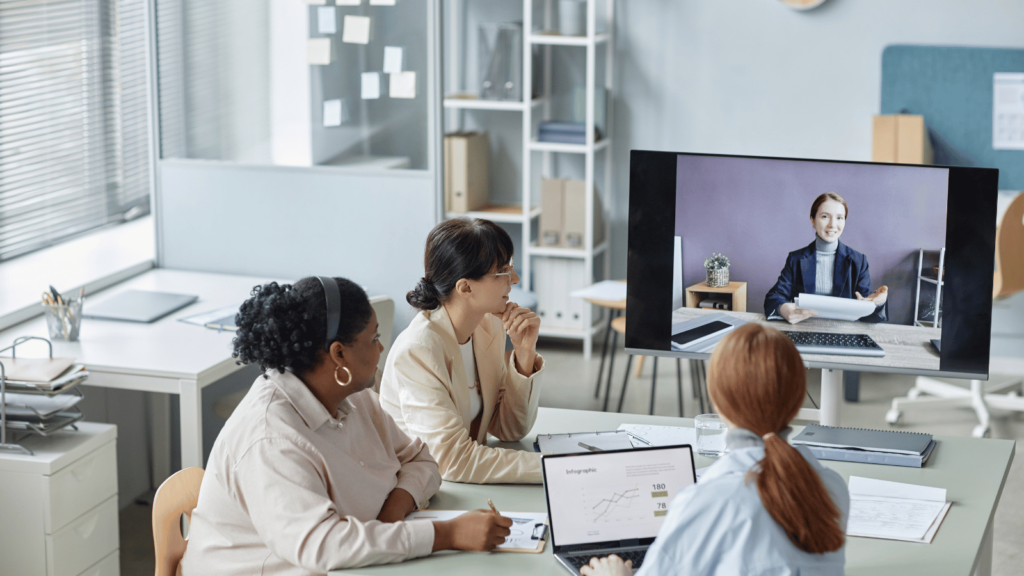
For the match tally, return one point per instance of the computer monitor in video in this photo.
(866, 266)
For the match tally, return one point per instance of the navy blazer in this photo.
(797, 276)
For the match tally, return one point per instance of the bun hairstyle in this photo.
(758, 382)
(828, 196)
(284, 326)
(456, 249)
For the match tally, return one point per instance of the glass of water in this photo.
(710, 435)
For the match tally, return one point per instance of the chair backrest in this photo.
(1009, 277)
(384, 306)
(178, 495)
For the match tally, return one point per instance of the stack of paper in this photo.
(894, 510)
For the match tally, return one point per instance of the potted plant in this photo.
(717, 266)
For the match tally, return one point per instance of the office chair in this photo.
(1008, 279)
(177, 496)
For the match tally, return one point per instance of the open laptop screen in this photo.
(612, 496)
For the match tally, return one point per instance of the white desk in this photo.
(167, 356)
(973, 472)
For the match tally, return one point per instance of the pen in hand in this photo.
(491, 504)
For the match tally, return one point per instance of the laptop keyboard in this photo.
(829, 343)
(580, 560)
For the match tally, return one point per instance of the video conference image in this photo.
(844, 257)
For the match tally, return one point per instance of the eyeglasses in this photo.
(511, 270)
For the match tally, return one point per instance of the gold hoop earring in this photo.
(346, 382)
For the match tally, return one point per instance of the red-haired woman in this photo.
(764, 507)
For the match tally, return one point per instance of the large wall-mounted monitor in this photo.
(895, 226)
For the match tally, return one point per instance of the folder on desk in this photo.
(570, 443)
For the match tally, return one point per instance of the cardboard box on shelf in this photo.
(900, 138)
(465, 162)
(552, 204)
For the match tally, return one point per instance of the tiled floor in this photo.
(569, 383)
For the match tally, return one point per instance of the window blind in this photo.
(74, 132)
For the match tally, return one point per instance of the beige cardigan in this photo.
(424, 388)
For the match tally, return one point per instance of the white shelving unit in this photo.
(936, 321)
(540, 108)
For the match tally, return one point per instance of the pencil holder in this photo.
(63, 321)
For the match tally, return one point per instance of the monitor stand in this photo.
(831, 399)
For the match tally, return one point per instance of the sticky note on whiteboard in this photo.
(392, 59)
(316, 2)
(318, 51)
(371, 85)
(333, 113)
(326, 21)
(403, 85)
(357, 30)
(348, 2)
(383, 2)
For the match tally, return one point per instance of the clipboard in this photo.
(523, 519)
(570, 443)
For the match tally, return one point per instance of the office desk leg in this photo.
(831, 396)
(984, 566)
(191, 424)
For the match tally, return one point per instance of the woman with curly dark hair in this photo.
(448, 379)
(309, 473)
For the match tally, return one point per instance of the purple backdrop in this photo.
(757, 211)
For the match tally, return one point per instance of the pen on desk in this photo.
(637, 438)
(491, 504)
(591, 448)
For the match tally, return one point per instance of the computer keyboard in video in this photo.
(841, 344)
(637, 556)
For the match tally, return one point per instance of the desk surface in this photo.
(973, 471)
(907, 348)
(166, 348)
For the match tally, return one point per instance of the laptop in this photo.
(613, 502)
(138, 306)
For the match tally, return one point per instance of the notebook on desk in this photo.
(913, 443)
(571, 443)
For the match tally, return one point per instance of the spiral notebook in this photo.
(914, 443)
(570, 443)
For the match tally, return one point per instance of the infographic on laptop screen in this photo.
(608, 497)
(807, 245)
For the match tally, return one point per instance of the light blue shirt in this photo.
(720, 527)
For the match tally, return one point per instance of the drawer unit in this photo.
(81, 486)
(109, 566)
(64, 497)
(84, 541)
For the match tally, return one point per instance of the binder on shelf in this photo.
(466, 163)
(576, 214)
(552, 205)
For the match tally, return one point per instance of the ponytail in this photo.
(792, 492)
(757, 380)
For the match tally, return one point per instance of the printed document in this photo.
(894, 510)
(644, 435)
(528, 528)
(834, 308)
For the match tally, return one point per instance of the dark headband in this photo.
(333, 295)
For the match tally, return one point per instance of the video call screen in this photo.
(867, 260)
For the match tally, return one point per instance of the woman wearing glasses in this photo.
(448, 379)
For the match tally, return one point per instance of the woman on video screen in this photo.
(825, 267)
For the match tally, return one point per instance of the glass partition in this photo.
(287, 83)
